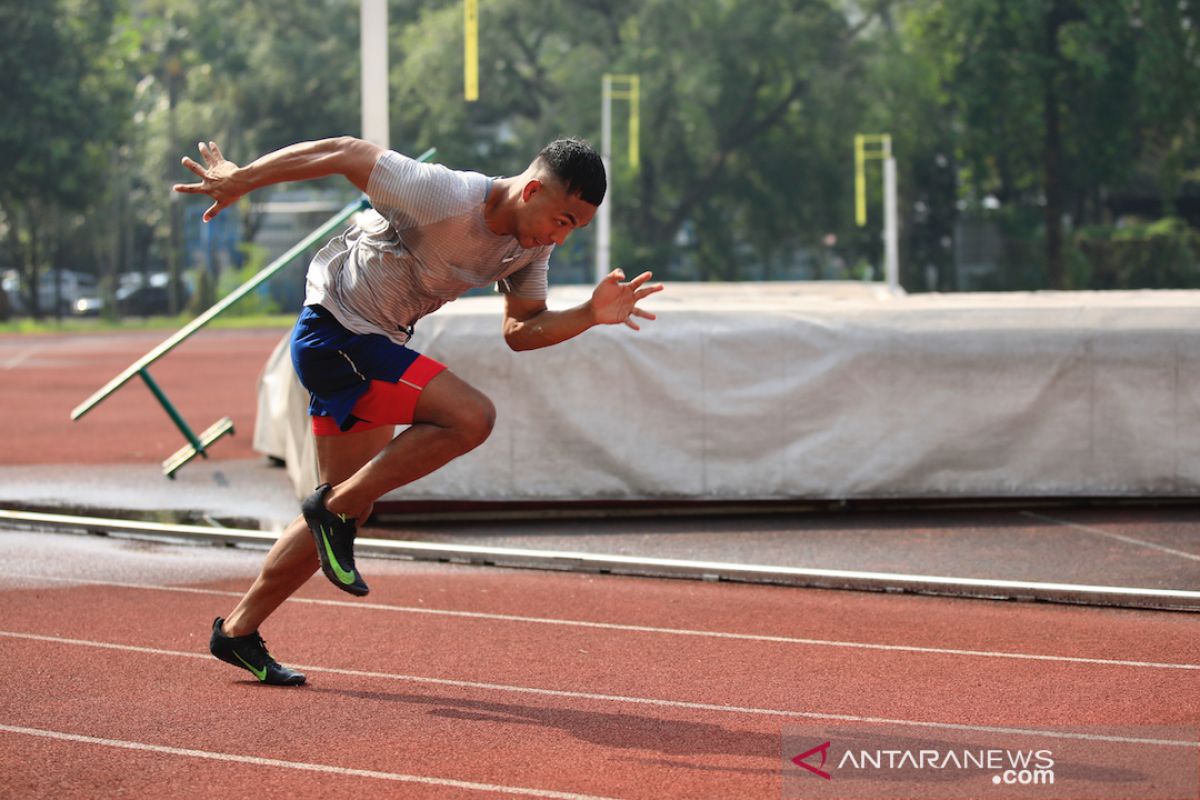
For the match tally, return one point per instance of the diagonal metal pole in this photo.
(199, 322)
(202, 320)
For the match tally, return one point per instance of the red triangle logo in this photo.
(823, 749)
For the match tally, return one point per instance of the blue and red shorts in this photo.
(356, 381)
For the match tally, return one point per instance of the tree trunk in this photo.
(16, 253)
(1052, 155)
(175, 245)
(33, 257)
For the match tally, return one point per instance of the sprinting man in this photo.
(433, 234)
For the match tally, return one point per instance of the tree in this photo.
(1167, 83)
(1052, 107)
(65, 101)
(745, 123)
(253, 76)
(1056, 100)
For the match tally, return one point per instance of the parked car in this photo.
(136, 297)
(75, 285)
(88, 307)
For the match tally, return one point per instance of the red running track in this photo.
(468, 682)
(43, 377)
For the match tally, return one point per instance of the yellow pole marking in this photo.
(861, 155)
(632, 93)
(471, 50)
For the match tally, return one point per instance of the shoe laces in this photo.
(262, 645)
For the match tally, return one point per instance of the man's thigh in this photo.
(448, 400)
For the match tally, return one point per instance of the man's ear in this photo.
(531, 188)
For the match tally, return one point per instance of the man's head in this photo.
(577, 167)
(561, 190)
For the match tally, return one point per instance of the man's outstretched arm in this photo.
(528, 324)
(225, 182)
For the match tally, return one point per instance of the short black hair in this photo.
(578, 166)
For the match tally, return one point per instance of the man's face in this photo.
(548, 214)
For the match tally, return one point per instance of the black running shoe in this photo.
(334, 535)
(250, 652)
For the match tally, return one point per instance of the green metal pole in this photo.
(172, 413)
(202, 320)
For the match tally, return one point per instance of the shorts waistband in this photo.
(325, 313)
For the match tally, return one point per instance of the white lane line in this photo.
(19, 358)
(1109, 534)
(613, 626)
(627, 699)
(297, 765)
(1120, 596)
(658, 567)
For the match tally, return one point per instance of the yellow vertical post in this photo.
(608, 92)
(880, 149)
(471, 50)
(860, 182)
(635, 120)
(632, 94)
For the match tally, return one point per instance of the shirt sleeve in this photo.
(531, 280)
(408, 193)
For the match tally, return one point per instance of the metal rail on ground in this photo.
(1080, 594)
(197, 444)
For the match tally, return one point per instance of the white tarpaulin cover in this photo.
(815, 391)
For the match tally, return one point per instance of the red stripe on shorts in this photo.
(386, 403)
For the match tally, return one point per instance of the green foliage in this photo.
(204, 292)
(1150, 255)
(1055, 109)
(745, 128)
(59, 122)
(1059, 104)
(257, 303)
(167, 325)
(64, 105)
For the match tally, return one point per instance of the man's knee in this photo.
(462, 410)
(474, 420)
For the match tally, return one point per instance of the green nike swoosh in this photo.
(260, 673)
(343, 576)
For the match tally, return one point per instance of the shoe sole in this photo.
(296, 682)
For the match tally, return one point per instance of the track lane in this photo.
(54, 765)
(810, 616)
(209, 376)
(383, 724)
(768, 674)
(560, 706)
(564, 744)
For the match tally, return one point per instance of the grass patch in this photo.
(167, 324)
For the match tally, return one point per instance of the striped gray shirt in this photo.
(424, 244)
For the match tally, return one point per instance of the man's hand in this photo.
(218, 180)
(614, 302)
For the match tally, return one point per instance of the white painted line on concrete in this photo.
(650, 629)
(295, 765)
(667, 567)
(634, 700)
(1109, 534)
